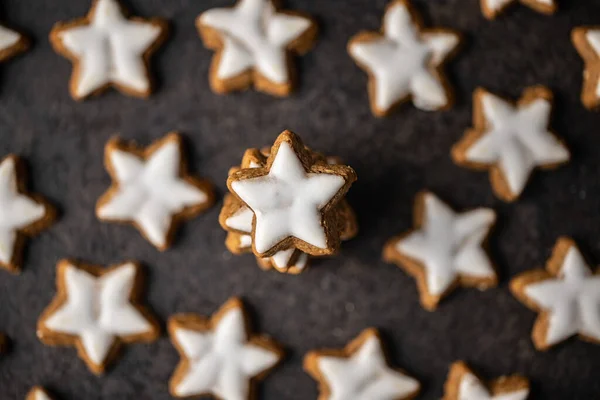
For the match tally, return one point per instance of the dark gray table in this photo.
(394, 157)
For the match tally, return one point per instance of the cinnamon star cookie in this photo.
(492, 8)
(566, 295)
(97, 310)
(405, 61)
(587, 43)
(445, 249)
(254, 41)
(11, 43)
(108, 49)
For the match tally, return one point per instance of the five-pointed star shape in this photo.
(11, 43)
(511, 139)
(587, 43)
(151, 188)
(404, 61)
(444, 249)
(463, 384)
(96, 310)
(219, 356)
(359, 372)
(38, 393)
(253, 41)
(492, 8)
(567, 296)
(20, 214)
(109, 49)
(290, 200)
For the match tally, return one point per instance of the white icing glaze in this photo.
(255, 36)
(98, 310)
(593, 38)
(223, 361)
(497, 5)
(365, 375)
(245, 241)
(517, 139)
(38, 394)
(281, 260)
(150, 192)
(16, 210)
(572, 300)
(287, 201)
(471, 388)
(8, 38)
(110, 49)
(448, 244)
(241, 220)
(402, 62)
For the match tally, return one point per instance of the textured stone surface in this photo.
(394, 157)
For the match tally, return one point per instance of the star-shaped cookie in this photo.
(566, 294)
(360, 371)
(97, 310)
(511, 140)
(291, 198)
(152, 189)
(464, 384)
(38, 393)
(405, 61)
(492, 8)
(220, 357)
(108, 49)
(587, 42)
(254, 41)
(11, 43)
(21, 214)
(444, 250)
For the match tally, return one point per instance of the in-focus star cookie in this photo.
(492, 8)
(21, 214)
(405, 61)
(254, 41)
(38, 393)
(587, 42)
(292, 198)
(219, 356)
(444, 250)
(11, 43)
(511, 140)
(360, 371)
(108, 49)
(566, 294)
(464, 384)
(97, 310)
(152, 189)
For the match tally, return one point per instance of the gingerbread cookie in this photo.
(219, 356)
(492, 8)
(510, 140)
(254, 41)
(464, 384)
(21, 214)
(566, 295)
(445, 249)
(108, 49)
(292, 198)
(404, 61)
(587, 43)
(359, 371)
(11, 43)
(152, 189)
(97, 310)
(38, 393)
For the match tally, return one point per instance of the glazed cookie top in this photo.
(492, 8)
(359, 372)
(11, 43)
(255, 36)
(38, 393)
(567, 294)
(108, 49)
(98, 307)
(289, 198)
(219, 355)
(404, 60)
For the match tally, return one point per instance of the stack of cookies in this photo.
(286, 205)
